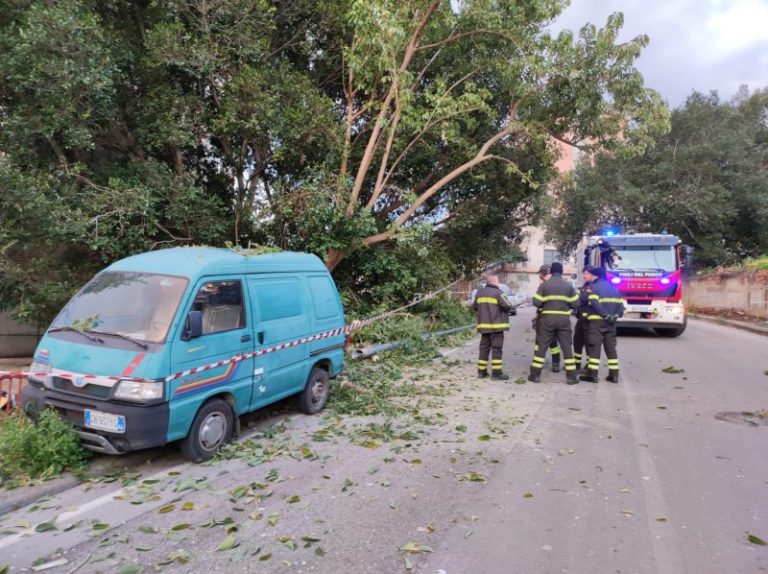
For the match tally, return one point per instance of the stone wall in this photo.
(732, 291)
(16, 340)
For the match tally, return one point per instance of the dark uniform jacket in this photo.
(604, 300)
(491, 306)
(556, 296)
(584, 292)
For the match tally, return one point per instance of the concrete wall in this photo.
(746, 293)
(16, 340)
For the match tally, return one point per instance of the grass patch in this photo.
(37, 450)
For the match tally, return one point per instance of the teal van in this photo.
(174, 345)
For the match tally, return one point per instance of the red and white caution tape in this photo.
(355, 325)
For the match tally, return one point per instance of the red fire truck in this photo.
(648, 270)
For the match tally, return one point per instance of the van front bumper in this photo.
(145, 426)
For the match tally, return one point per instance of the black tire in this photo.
(674, 331)
(315, 394)
(212, 428)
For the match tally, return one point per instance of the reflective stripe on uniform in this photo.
(492, 325)
(555, 351)
(556, 298)
(594, 317)
(555, 312)
(607, 299)
(482, 362)
(491, 300)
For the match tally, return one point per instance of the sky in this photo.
(699, 45)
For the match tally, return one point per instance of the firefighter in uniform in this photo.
(581, 330)
(491, 306)
(554, 349)
(557, 299)
(605, 308)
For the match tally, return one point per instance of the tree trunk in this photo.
(333, 258)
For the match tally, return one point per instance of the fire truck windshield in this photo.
(645, 258)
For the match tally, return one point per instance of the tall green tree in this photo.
(704, 181)
(128, 126)
(437, 93)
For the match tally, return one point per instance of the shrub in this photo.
(757, 263)
(37, 450)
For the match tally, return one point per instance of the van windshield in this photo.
(139, 306)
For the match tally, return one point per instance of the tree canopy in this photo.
(704, 181)
(398, 140)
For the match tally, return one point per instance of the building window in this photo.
(552, 255)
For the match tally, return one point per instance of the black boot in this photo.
(613, 376)
(535, 375)
(571, 378)
(555, 365)
(499, 376)
(590, 377)
(482, 374)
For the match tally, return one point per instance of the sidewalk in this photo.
(757, 327)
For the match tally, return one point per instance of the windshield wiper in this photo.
(141, 344)
(73, 330)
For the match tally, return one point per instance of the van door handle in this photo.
(245, 338)
(260, 335)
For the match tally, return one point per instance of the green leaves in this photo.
(46, 526)
(228, 543)
(672, 370)
(752, 539)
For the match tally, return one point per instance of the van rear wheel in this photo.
(212, 428)
(315, 394)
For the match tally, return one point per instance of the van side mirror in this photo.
(193, 326)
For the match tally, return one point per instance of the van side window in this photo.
(279, 299)
(324, 297)
(221, 303)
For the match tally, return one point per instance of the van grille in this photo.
(94, 391)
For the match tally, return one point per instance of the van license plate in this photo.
(104, 421)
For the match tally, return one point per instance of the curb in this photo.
(735, 324)
(33, 493)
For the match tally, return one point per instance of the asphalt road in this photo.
(660, 473)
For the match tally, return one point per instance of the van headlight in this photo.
(40, 368)
(38, 373)
(139, 391)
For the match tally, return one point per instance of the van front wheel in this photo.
(211, 429)
(315, 394)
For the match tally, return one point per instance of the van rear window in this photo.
(324, 297)
(279, 299)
